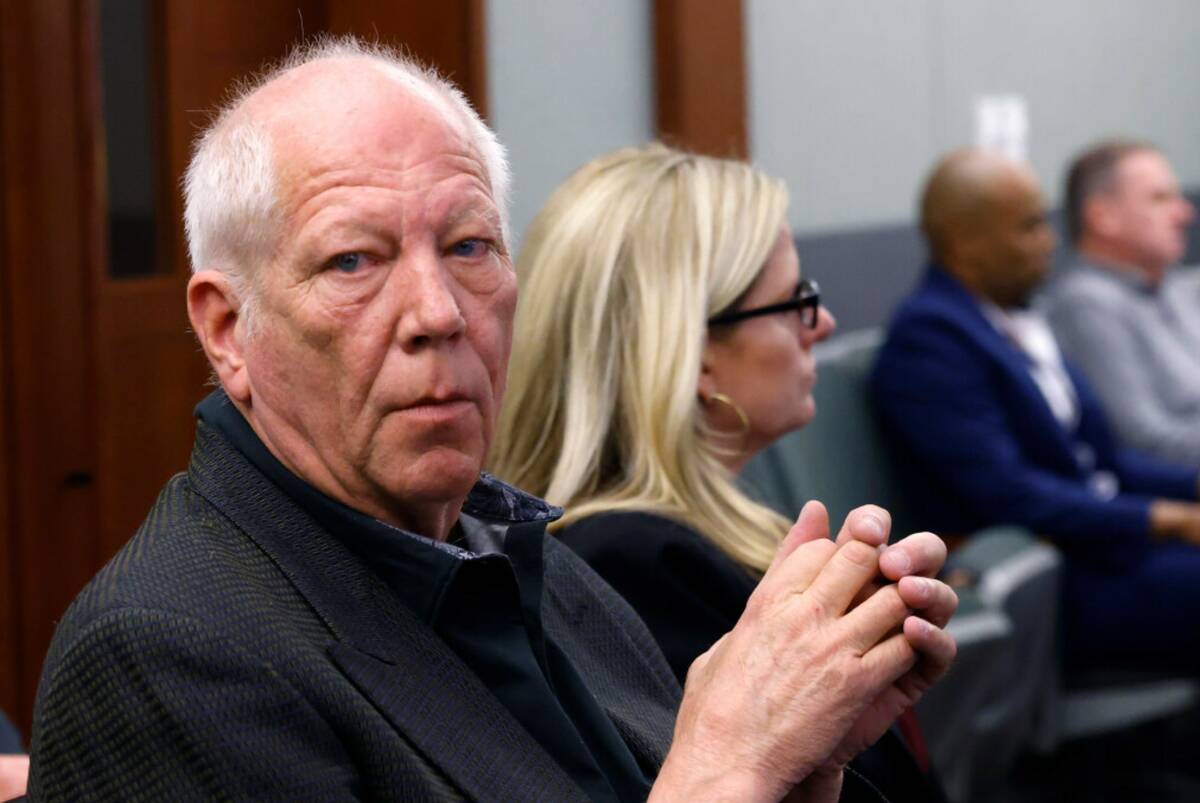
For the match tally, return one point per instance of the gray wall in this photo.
(568, 80)
(851, 101)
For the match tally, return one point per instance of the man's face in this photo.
(1147, 213)
(1013, 241)
(378, 361)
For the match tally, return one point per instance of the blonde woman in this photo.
(664, 335)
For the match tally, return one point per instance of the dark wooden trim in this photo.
(89, 143)
(98, 375)
(475, 52)
(10, 622)
(171, 254)
(48, 188)
(449, 35)
(700, 75)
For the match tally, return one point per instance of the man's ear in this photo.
(213, 308)
(1100, 217)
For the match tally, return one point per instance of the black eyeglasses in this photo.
(806, 301)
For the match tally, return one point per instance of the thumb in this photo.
(812, 524)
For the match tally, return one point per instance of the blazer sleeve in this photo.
(154, 705)
(935, 395)
(1143, 473)
(683, 587)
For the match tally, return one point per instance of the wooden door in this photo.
(98, 371)
(50, 533)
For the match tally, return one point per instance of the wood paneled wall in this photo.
(449, 35)
(700, 75)
(98, 376)
(50, 534)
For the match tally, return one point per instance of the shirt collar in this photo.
(416, 567)
(1129, 279)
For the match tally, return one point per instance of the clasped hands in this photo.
(838, 639)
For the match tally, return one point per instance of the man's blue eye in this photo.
(468, 248)
(348, 263)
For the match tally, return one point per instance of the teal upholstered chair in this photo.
(981, 715)
(1004, 692)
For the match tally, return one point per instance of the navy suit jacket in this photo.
(957, 400)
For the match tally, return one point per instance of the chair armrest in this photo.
(1002, 559)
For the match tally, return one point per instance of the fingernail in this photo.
(873, 525)
(898, 561)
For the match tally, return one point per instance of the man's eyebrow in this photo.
(485, 213)
(351, 225)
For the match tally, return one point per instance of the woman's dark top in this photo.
(690, 594)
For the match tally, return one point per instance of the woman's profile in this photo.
(663, 337)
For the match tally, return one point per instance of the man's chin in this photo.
(439, 474)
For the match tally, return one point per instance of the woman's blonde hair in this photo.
(619, 274)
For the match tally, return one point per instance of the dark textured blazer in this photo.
(232, 650)
(958, 400)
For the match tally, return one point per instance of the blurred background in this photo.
(849, 101)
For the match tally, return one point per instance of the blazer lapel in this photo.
(418, 683)
(1034, 401)
(458, 724)
(1010, 358)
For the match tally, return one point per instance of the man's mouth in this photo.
(439, 407)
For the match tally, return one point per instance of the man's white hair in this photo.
(231, 194)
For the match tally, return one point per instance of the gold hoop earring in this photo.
(737, 410)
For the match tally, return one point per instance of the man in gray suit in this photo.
(334, 603)
(1120, 312)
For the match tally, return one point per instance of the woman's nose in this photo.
(826, 323)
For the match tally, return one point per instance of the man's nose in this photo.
(429, 309)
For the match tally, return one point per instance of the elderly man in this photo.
(971, 386)
(333, 603)
(1117, 312)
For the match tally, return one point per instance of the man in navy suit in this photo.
(973, 390)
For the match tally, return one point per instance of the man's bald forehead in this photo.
(962, 186)
(326, 101)
(335, 84)
(961, 179)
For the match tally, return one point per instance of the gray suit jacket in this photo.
(234, 650)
